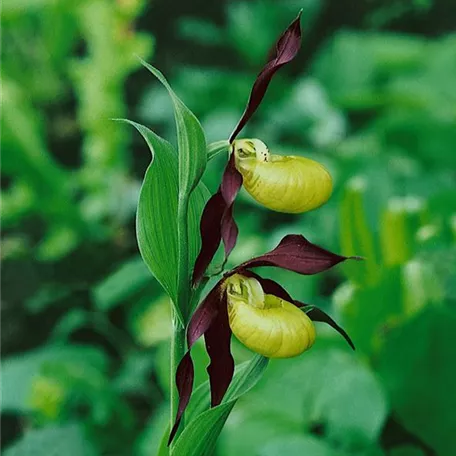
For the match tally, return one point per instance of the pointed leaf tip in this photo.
(190, 138)
(285, 51)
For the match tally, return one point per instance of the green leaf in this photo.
(200, 400)
(163, 449)
(156, 221)
(216, 148)
(407, 450)
(200, 435)
(190, 139)
(418, 370)
(366, 323)
(298, 445)
(53, 441)
(356, 237)
(326, 386)
(18, 372)
(73, 320)
(129, 278)
(150, 321)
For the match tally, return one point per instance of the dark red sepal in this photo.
(297, 254)
(218, 341)
(316, 314)
(204, 318)
(231, 181)
(210, 234)
(230, 186)
(217, 222)
(285, 50)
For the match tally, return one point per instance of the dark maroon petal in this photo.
(205, 314)
(270, 286)
(231, 182)
(229, 230)
(285, 50)
(210, 234)
(204, 318)
(316, 314)
(297, 254)
(221, 368)
(217, 222)
(185, 374)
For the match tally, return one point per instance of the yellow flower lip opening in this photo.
(290, 184)
(265, 323)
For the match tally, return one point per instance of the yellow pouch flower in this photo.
(288, 184)
(265, 323)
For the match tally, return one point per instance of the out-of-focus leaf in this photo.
(18, 372)
(298, 445)
(406, 451)
(356, 236)
(157, 213)
(190, 139)
(399, 223)
(419, 373)
(367, 312)
(326, 387)
(200, 435)
(200, 31)
(73, 320)
(200, 400)
(151, 321)
(421, 286)
(153, 440)
(66, 440)
(125, 281)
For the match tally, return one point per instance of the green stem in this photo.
(183, 283)
(183, 301)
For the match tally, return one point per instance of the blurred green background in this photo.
(85, 328)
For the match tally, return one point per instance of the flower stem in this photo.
(183, 303)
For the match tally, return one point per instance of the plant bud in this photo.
(288, 184)
(265, 323)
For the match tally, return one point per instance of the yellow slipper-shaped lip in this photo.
(288, 184)
(265, 323)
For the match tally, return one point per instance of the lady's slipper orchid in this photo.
(288, 184)
(282, 183)
(265, 323)
(261, 314)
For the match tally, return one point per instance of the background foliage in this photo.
(85, 331)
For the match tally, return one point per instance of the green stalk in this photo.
(183, 301)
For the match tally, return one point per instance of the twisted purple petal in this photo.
(204, 318)
(217, 221)
(218, 341)
(286, 49)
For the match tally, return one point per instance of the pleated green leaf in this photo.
(157, 214)
(201, 433)
(190, 139)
